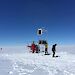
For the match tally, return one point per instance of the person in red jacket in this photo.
(33, 47)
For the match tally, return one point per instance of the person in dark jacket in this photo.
(54, 49)
(37, 49)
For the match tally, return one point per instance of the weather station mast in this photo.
(42, 40)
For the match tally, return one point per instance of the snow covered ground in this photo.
(19, 61)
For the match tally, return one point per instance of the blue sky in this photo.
(19, 20)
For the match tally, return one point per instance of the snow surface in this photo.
(19, 61)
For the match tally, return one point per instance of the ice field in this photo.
(19, 61)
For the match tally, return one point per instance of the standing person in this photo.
(37, 49)
(54, 49)
(46, 48)
(33, 47)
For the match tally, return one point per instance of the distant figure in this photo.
(1, 49)
(46, 48)
(54, 49)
